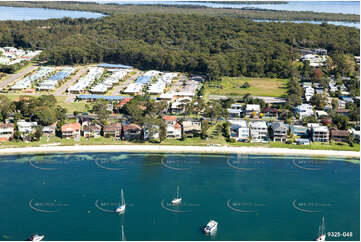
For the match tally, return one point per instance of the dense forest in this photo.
(176, 42)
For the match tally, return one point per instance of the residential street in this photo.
(12, 77)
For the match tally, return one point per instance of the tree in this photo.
(341, 121)
(309, 119)
(38, 132)
(100, 108)
(5, 107)
(60, 113)
(334, 104)
(319, 100)
(316, 75)
(162, 132)
(204, 129)
(44, 115)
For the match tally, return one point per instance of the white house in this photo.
(250, 108)
(259, 131)
(304, 110)
(239, 130)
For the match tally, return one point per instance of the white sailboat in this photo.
(321, 231)
(123, 234)
(178, 199)
(121, 208)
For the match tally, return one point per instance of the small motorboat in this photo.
(321, 231)
(178, 199)
(211, 227)
(121, 208)
(36, 237)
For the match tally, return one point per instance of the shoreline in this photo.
(178, 149)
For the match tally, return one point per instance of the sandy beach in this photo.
(177, 149)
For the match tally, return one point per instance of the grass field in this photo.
(232, 86)
(70, 106)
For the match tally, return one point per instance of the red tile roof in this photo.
(170, 118)
(124, 101)
(70, 127)
(131, 126)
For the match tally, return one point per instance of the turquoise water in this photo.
(10, 13)
(252, 197)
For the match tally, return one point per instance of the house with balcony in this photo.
(339, 135)
(191, 128)
(304, 110)
(132, 131)
(6, 131)
(320, 134)
(150, 131)
(174, 131)
(258, 132)
(253, 109)
(71, 130)
(113, 130)
(239, 130)
(92, 131)
(26, 128)
(279, 131)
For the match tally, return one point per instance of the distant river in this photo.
(72, 196)
(347, 24)
(346, 7)
(10, 13)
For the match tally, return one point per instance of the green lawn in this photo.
(232, 86)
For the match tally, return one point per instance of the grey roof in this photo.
(280, 126)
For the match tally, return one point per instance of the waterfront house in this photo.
(279, 131)
(113, 130)
(92, 131)
(121, 104)
(339, 135)
(239, 130)
(299, 130)
(6, 131)
(320, 134)
(132, 131)
(253, 109)
(150, 131)
(259, 131)
(26, 128)
(191, 128)
(71, 130)
(49, 130)
(174, 131)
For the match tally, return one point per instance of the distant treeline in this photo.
(113, 8)
(189, 43)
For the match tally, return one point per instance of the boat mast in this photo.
(121, 191)
(177, 191)
(323, 226)
(123, 235)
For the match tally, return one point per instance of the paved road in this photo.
(12, 77)
(122, 85)
(62, 89)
